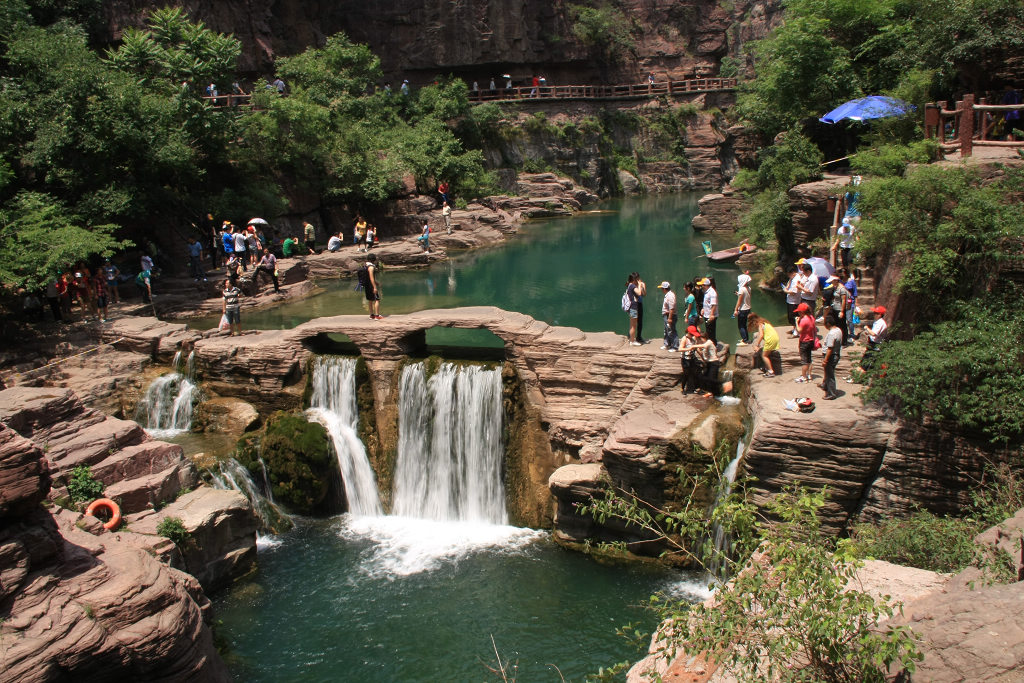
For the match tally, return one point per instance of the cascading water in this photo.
(232, 475)
(449, 445)
(333, 404)
(166, 408)
(720, 537)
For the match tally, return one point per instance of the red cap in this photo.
(692, 329)
(880, 310)
(803, 308)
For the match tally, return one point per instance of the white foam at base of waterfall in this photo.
(406, 545)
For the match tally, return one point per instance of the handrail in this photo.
(969, 130)
(595, 92)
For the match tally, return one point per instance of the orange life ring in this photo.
(115, 511)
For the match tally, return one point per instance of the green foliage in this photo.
(922, 540)
(174, 529)
(328, 76)
(768, 220)
(82, 486)
(38, 238)
(299, 461)
(730, 67)
(892, 159)
(952, 229)
(965, 370)
(793, 612)
(175, 49)
(605, 29)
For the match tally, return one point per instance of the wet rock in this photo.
(226, 415)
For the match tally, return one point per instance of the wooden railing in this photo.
(604, 92)
(971, 124)
(228, 100)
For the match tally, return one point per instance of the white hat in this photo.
(846, 220)
(665, 285)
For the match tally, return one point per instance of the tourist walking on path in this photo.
(112, 273)
(268, 265)
(808, 333)
(691, 305)
(710, 310)
(446, 213)
(195, 259)
(846, 236)
(833, 349)
(641, 290)
(310, 234)
(766, 345)
(632, 299)
(850, 283)
(668, 316)
(231, 308)
(742, 310)
(372, 286)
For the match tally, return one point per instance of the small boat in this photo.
(727, 255)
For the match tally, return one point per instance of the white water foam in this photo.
(267, 542)
(166, 408)
(407, 545)
(690, 590)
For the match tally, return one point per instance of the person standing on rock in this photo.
(833, 349)
(227, 240)
(112, 273)
(310, 234)
(424, 238)
(231, 308)
(766, 345)
(240, 250)
(442, 189)
(710, 311)
(446, 213)
(632, 299)
(742, 310)
(808, 332)
(668, 316)
(846, 237)
(195, 259)
(641, 291)
(808, 286)
(268, 265)
(840, 304)
(144, 281)
(792, 290)
(690, 313)
(371, 286)
(689, 361)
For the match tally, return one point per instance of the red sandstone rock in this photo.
(24, 475)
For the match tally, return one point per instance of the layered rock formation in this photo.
(85, 607)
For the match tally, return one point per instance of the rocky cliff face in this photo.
(478, 39)
(83, 604)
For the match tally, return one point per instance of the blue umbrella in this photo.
(874, 107)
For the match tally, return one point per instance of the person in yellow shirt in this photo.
(768, 339)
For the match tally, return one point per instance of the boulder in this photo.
(227, 415)
(719, 213)
(24, 475)
(808, 205)
(222, 533)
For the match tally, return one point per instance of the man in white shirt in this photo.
(809, 286)
(668, 315)
(846, 236)
(710, 310)
(240, 247)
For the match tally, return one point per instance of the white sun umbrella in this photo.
(257, 221)
(820, 266)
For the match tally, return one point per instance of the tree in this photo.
(38, 239)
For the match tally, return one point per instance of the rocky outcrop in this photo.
(811, 218)
(222, 533)
(79, 603)
(719, 212)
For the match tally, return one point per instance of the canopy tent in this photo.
(865, 108)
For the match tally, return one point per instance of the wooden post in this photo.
(966, 108)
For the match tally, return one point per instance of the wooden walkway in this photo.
(604, 92)
(557, 92)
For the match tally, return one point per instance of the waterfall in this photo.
(721, 539)
(333, 404)
(450, 450)
(166, 408)
(231, 475)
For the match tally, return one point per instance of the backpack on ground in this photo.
(625, 301)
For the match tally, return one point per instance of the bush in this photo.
(82, 486)
(892, 160)
(938, 544)
(174, 529)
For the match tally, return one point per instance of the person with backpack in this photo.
(369, 283)
(630, 303)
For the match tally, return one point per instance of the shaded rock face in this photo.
(719, 213)
(811, 219)
(479, 39)
(78, 606)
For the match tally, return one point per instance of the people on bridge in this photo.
(371, 286)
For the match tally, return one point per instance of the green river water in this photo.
(393, 599)
(569, 271)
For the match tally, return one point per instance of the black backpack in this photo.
(363, 277)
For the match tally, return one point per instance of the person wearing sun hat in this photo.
(669, 316)
(690, 376)
(742, 310)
